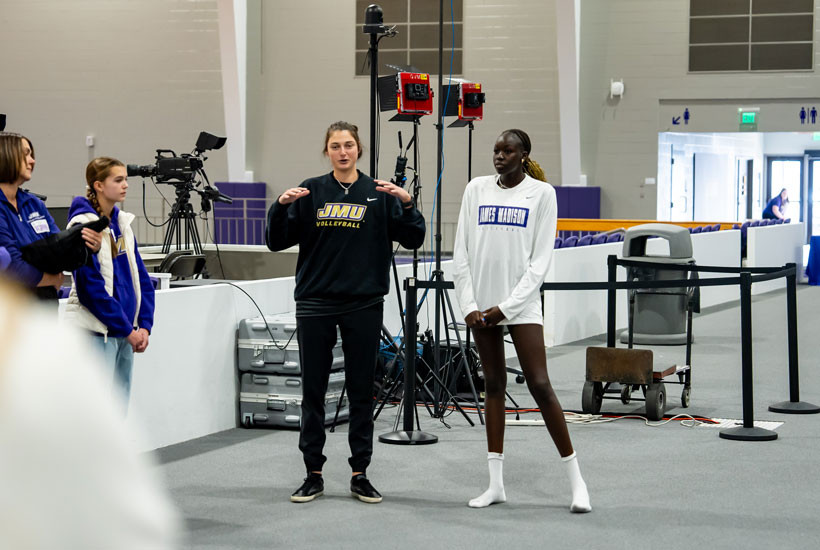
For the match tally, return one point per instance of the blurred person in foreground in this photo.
(70, 476)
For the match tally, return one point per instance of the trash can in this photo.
(659, 314)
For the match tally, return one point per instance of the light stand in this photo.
(374, 26)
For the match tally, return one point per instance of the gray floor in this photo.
(671, 487)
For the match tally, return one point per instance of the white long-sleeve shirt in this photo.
(503, 247)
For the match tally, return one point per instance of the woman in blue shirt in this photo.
(24, 218)
(776, 208)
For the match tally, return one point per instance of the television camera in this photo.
(187, 174)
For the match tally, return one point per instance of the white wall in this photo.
(732, 146)
(300, 82)
(775, 246)
(646, 44)
(571, 315)
(137, 76)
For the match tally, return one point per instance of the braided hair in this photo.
(531, 168)
(97, 170)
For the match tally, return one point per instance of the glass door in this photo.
(787, 173)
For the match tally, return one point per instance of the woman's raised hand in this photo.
(293, 194)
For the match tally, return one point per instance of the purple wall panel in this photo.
(578, 202)
(242, 222)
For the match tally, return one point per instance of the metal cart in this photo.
(622, 371)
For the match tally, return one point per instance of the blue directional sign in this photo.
(676, 120)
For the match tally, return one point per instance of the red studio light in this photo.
(470, 101)
(414, 96)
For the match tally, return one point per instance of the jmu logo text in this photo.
(340, 214)
(503, 215)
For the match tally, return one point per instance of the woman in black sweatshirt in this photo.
(344, 223)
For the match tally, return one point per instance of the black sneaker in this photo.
(314, 486)
(361, 488)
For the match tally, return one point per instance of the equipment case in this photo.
(256, 352)
(276, 401)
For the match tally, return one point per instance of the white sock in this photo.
(496, 491)
(580, 496)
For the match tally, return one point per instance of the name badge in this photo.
(40, 226)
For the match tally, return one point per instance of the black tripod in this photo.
(182, 220)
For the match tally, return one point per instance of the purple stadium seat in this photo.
(569, 242)
(599, 239)
(614, 238)
(706, 229)
(697, 229)
(716, 227)
(736, 226)
(558, 241)
(779, 221)
(788, 220)
(755, 223)
(585, 240)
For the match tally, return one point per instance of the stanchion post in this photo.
(793, 405)
(611, 300)
(747, 432)
(409, 436)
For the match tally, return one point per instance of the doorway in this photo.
(786, 173)
(814, 193)
(682, 190)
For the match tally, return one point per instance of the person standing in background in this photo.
(113, 298)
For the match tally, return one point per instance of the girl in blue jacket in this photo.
(114, 298)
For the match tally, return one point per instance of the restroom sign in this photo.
(808, 115)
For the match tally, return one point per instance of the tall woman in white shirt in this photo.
(504, 244)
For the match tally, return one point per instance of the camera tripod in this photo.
(182, 220)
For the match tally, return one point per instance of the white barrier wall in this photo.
(571, 315)
(185, 384)
(774, 246)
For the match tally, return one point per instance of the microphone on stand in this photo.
(401, 164)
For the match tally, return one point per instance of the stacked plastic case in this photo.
(270, 391)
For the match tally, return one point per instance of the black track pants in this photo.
(360, 344)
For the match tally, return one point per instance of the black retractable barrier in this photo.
(746, 432)
(793, 405)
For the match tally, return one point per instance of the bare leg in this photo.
(529, 346)
(490, 344)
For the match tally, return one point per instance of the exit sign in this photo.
(748, 119)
